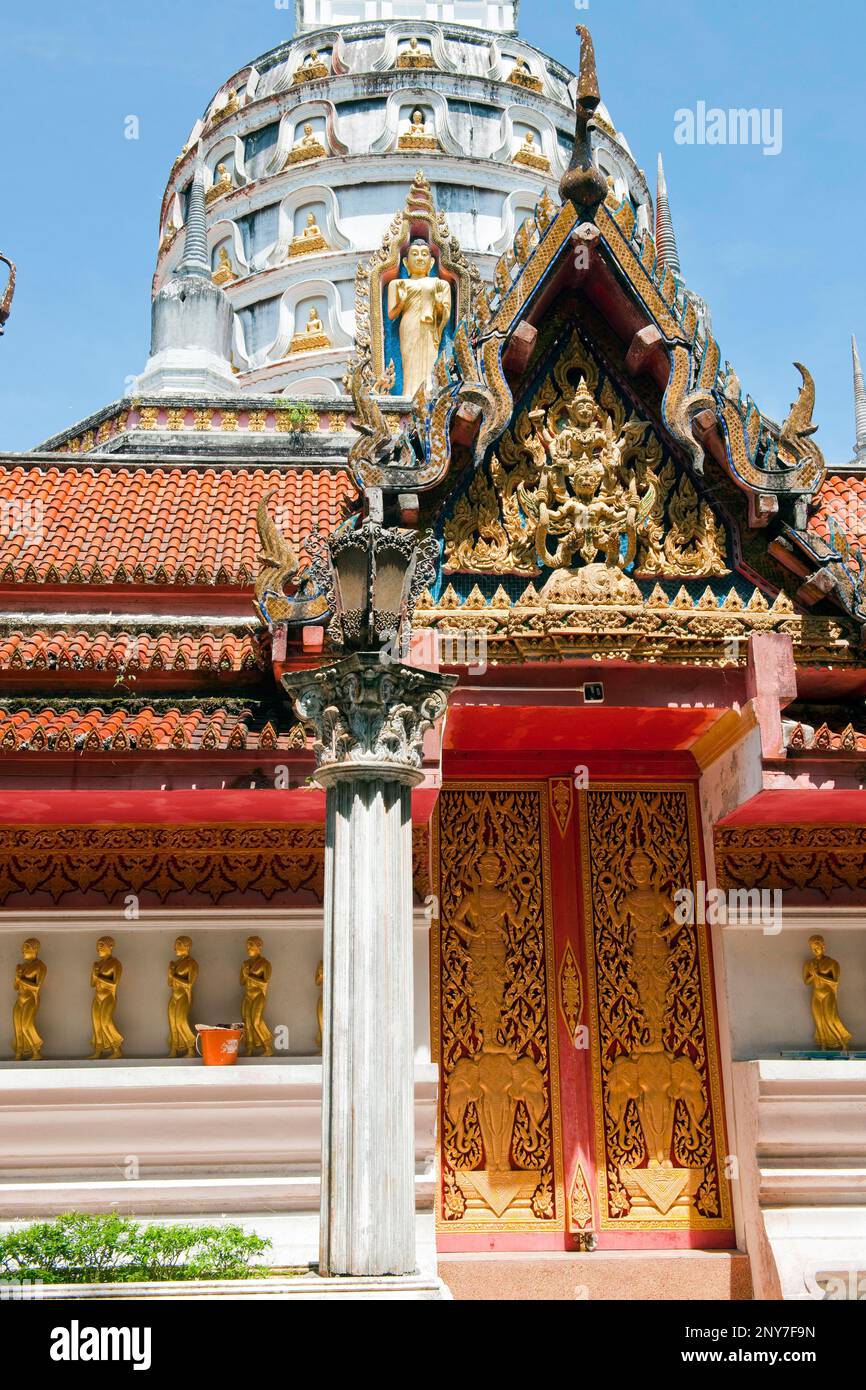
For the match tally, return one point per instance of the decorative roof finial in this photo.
(666, 242)
(195, 259)
(859, 405)
(584, 184)
(6, 301)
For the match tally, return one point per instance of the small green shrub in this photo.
(80, 1249)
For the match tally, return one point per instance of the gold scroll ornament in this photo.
(500, 1118)
(656, 1086)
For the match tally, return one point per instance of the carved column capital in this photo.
(370, 716)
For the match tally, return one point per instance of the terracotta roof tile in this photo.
(843, 499)
(167, 525)
(41, 650)
(161, 728)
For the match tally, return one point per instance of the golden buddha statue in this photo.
(415, 56)
(182, 975)
(320, 1006)
(529, 154)
(417, 137)
(221, 186)
(29, 978)
(309, 239)
(255, 979)
(311, 68)
(522, 76)
(822, 972)
(308, 146)
(104, 979)
(422, 303)
(225, 271)
(232, 104)
(313, 335)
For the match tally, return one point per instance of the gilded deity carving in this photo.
(182, 975)
(222, 185)
(312, 336)
(496, 1046)
(822, 973)
(415, 56)
(582, 489)
(422, 305)
(320, 1006)
(311, 68)
(653, 1047)
(105, 976)
(522, 76)
(29, 979)
(255, 979)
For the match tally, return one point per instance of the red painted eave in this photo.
(806, 806)
(527, 728)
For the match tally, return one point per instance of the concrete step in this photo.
(605, 1274)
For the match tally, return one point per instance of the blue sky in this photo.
(775, 244)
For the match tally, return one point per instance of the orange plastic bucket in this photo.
(219, 1046)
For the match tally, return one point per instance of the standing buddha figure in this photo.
(255, 979)
(822, 972)
(422, 303)
(182, 975)
(29, 977)
(104, 979)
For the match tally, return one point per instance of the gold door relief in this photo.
(656, 1080)
(494, 1007)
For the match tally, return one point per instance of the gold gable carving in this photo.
(576, 485)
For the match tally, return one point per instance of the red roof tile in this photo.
(90, 650)
(97, 525)
(184, 727)
(844, 499)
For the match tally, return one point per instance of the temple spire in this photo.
(859, 405)
(195, 259)
(666, 242)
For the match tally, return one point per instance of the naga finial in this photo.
(584, 184)
(6, 301)
(798, 426)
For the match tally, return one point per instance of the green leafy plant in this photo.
(81, 1249)
(300, 417)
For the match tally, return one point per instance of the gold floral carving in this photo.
(570, 992)
(580, 1201)
(164, 860)
(829, 858)
(492, 1006)
(656, 1081)
(561, 802)
(575, 480)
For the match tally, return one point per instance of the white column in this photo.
(370, 719)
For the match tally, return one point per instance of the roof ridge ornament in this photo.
(583, 184)
(859, 405)
(6, 301)
(195, 259)
(666, 241)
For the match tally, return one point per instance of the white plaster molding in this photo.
(802, 1162)
(310, 195)
(217, 233)
(521, 201)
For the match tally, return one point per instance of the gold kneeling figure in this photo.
(182, 975)
(104, 979)
(29, 977)
(255, 978)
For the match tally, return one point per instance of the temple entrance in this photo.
(574, 1021)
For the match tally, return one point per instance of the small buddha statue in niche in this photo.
(414, 56)
(29, 978)
(255, 979)
(225, 271)
(182, 975)
(105, 977)
(822, 972)
(530, 153)
(311, 231)
(222, 184)
(418, 136)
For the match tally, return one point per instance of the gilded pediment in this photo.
(581, 489)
